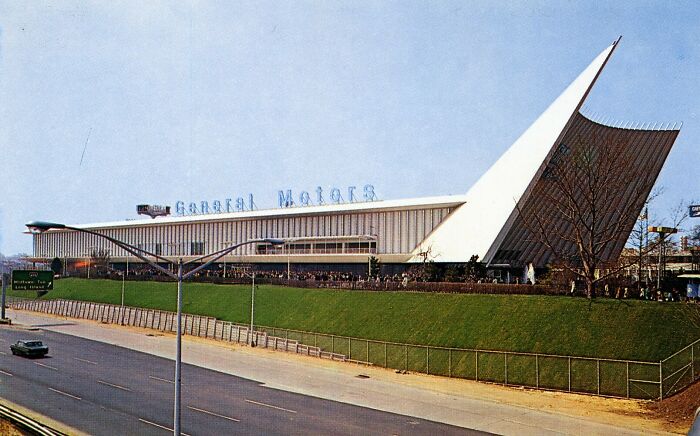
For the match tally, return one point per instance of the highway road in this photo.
(103, 389)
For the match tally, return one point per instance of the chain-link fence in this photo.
(680, 369)
(606, 377)
(589, 375)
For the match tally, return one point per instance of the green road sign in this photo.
(30, 280)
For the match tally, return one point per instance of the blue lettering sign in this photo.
(205, 206)
(369, 193)
(228, 205)
(216, 205)
(193, 208)
(319, 192)
(240, 205)
(351, 193)
(304, 198)
(335, 195)
(180, 207)
(285, 199)
(251, 203)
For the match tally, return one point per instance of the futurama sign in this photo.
(285, 198)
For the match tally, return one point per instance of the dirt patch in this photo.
(8, 429)
(678, 411)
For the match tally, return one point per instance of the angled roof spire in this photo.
(479, 224)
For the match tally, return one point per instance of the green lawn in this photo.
(622, 329)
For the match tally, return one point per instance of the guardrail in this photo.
(27, 424)
(587, 375)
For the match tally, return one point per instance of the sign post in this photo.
(5, 279)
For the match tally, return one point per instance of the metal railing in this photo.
(579, 374)
(588, 375)
(680, 369)
(161, 320)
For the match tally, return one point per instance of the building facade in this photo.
(488, 221)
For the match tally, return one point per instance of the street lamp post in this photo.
(662, 231)
(124, 274)
(40, 226)
(252, 309)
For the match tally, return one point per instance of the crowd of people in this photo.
(355, 280)
(644, 293)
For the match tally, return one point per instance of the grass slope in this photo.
(622, 329)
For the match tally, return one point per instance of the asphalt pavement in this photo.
(103, 389)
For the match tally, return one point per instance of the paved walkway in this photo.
(428, 397)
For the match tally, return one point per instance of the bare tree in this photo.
(587, 198)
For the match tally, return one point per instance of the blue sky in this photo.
(211, 100)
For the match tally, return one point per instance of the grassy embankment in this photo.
(620, 329)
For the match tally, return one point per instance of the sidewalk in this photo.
(464, 403)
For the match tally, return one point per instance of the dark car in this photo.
(29, 348)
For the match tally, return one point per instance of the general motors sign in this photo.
(694, 211)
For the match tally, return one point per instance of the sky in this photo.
(106, 105)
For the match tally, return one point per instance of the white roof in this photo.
(412, 203)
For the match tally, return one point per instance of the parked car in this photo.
(29, 348)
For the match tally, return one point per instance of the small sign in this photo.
(31, 280)
(694, 211)
(152, 210)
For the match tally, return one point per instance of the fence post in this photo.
(449, 362)
(569, 373)
(427, 360)
(405, 357)
(661, 381)
(537, 372)
(627, 372)
(476, 364)
(692, 362)
(597, 361)
(385, 356)
(349, 348)
(367, 352)
(333, 344)
(505, 366)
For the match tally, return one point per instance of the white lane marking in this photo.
(270, 406)
(161, 426)
(46, 366)
(64, 393)
(160, 379)
(214, 414)
(113, 385)
(5, 372)
(84, 360)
